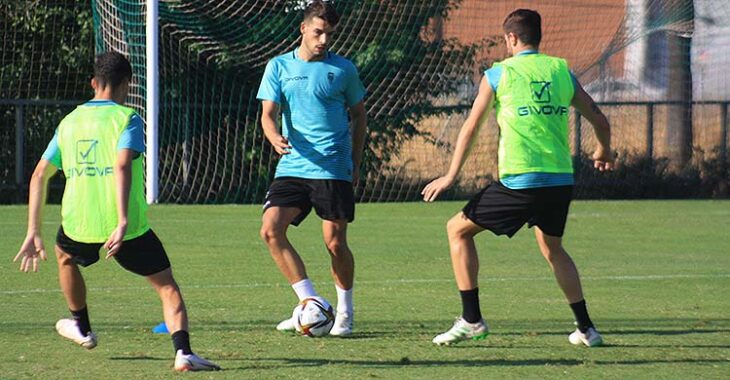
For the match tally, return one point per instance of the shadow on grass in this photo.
(139, 357)
(495, 362)
(638, 331)
(278, 363)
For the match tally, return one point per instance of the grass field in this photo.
(656, 275)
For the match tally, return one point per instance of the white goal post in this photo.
(152, 102)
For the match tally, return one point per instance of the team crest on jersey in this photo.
(331, 76)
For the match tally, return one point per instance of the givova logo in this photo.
(540, 92)
(296, 78)
(86, 154)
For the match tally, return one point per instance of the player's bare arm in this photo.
(32, 248)
(603, 157)
(359, 127)
(271, 130)
(477, 117)
(123, 182)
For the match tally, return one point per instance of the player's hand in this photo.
(603, 160)
(436, 187)
(115, 241)
(30, 251)
(281, 144)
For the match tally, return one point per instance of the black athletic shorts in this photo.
(504, 211)
(332, 199)
(143, 255)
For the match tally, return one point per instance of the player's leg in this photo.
(334, 202)
(173, 306)
(69, 255)
(334, 233)
(287, 203)
(71, 281)
(145, 256)
(562, 265)
(274, 226)
(464, 259)
(343, 272)
(568, 279)
(176, 319)
(552, 212)
(276, 221)
(465, 263)
(500, 210)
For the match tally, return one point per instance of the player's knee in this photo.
(63, 258)
(268, 234)
(454, 229)
(336, 247)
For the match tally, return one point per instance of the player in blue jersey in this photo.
(314, 90)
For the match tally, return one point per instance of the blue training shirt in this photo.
(131, 138)
(314, 97)
(529, 180)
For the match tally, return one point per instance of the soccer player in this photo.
(314, 89)
(98, 146)
(531, 93)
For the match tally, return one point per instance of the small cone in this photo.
(160, 329)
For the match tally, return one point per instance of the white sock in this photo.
(304, 289)
(344, 300)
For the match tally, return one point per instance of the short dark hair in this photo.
(526, 24)
(322, 9)
(111, 68)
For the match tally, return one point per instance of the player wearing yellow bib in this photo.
(531, 93)
(98, 146)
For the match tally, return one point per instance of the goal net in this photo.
(657, 67)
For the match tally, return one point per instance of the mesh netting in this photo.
(657, 66)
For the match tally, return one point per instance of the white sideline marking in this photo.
(402, 281)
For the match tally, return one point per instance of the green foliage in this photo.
(48, 49)
(641, 177)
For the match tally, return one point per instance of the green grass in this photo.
(656, 275)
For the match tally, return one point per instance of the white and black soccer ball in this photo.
(314, 317)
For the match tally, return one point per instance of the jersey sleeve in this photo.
(270, 88)
(53, 152)
(354, 89)
(494, 75)
(133, 136)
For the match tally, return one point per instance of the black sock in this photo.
(181, 341)
(581, 315)
(470, 304)
(82, 320)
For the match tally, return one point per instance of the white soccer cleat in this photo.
(343, 325)
(69, 329)
(192, 362)
(590, 338)
(286, 325)
(463, 330)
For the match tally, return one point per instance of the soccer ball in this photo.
(313, 317)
